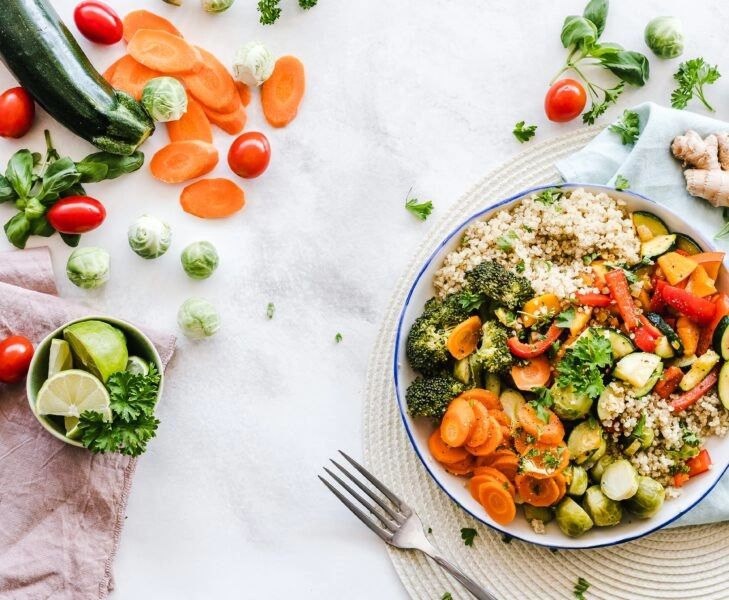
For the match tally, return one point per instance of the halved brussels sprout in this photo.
(165, 99)
(149, 237)
(619, 480)
(572, 518)
(215, 6)
(648, 500)
(599, 467)
(664, 36)
(602, 510)
(88, 267)
(538, 513)
(577, 480)
(584, 440)
(568, 405)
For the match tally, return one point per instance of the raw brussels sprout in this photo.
(568, 405)
(173, 2)
(577, 480)
(539, 513)
(602, 510)
(149, 237)
(214, 6)
(88, 267)
(664, 36)
(165, 99)
(619, 480)
(198, 318)
(572, 518)
(648, 500)
(586, 438)
(253, 64)
(199, 259)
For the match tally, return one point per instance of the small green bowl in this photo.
(137, 343)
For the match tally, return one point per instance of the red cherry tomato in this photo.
(76, 214)
(17, 112)
(249, 154)
(565, 100)
(98, 22)
(15, 354)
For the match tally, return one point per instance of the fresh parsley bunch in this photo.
(583, 364)
(691, 76)
(269, 11)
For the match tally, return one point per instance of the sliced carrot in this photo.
(212, 85)
(463, 467)
(231, 122)
(482, 426)
(688, 332)
(463, 339)
(444, 453)
(143, 19)
(522, 440)
(532, 373)
(493, 441)
(507, 462)
(538, 492)
(502, 419)
(497, 502)
(244, 92)
(109, 72)
(480, 476)
(212, 198)
(193, 125)
(165, 52)
(485, 397)
(180, 161)
(550, 432)
(130, 76)
(282, 92)
(544, 460)
(458, 422)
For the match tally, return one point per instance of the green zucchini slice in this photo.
(720, 340)
(658, 246)
(652, 222)
(687, 244)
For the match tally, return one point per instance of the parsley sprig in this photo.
(692, 76)
(627, 127)
(269, 11)
(467, 535)
(581, 367)
(421, 210)
(524, 132)
(580, 588)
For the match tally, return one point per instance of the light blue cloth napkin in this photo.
(653, 172)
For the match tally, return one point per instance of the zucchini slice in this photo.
(645, 389)
(687, 244)
(722, 385)
(621, 343)
(667, 330)
(658, 245)
(654, 223)
(637, 368)
(699, 370)
(720, 340)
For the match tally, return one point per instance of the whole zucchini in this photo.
(48, 62)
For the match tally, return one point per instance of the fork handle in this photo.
(463, 579)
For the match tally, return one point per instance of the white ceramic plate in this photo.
(420, 429)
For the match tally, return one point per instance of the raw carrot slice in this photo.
(538, 492)
(485, 397)
(457, 423)
(550, 432)
(109, 72)
(130, 76)
(212, 85)
(534, 372)
(444, 453)
(497, 502)
(179, 161)
(282, 92)
(143, 19)
(464, 338)
(193, 125)
(481, 428)
(215, 199)
(231, 122)
(163, 51)
(244, 92)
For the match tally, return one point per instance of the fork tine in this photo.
(379, 485)
(381, 532)
(397, 516)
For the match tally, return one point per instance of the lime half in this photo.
(72, 430)
(137, 366)
(71, 392)
(59, 357)
(97, 347)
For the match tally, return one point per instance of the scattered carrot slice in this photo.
(231, 122)
(244, 92)
(534, 372)
(550, 432)
(485, 397)
(180, 161)
(463, 339)
(443, 453)
(212, 85)
(143, 19)
(193, 125)
(213, 199)
(131, 77)
(282, 92)
(458, 422)
(165, 52)
(538, 492)
(498, 502)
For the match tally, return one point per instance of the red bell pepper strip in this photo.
(593, 299)
(657, 303)
(721, 301)
(699, 310)
(523, 350)
(617, 283)
(699, 463)
(644, 339)
(688, 398)
(672, 376)
(680, 478)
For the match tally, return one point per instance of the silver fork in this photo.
(396, 523)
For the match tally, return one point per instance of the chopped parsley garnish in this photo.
(307, 4)
(581, 367)
(549, 197)
(270, 310)
(621, 183)
(689, 437)
(446, 596)
(421, 210)
(504, 243)
(268, 11)
(541, 403)
(627, 127)
(470, 301)
(467, 535)
(580, 588)
(523, 132)
(565, 318)
(589, 258)
(520, 266)
(338, 338)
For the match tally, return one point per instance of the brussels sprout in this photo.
(602, 510)
(165, 99)
(199, 259)
(537, 513)
(215, 6)
(149, 237)
(572, 518)
(88, 267)
(584, 440)
(568, 405)
(599, 467)
(648, 500)
(619, 480)
(577, 480)
(173, 2)
(198, 318)
(664, 36)
(253, 64)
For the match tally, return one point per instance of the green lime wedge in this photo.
(97, 347)
(59, 357)
(137, 366)
(72, 430)
(71, 392)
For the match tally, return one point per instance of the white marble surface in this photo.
(402, 94)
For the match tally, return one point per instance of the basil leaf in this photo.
(71, 239)
(75, 190)
(628, 65)
(7, 193)
(19, 172)
(59, 176)
(116, 165)
(17, 230)
(596, 11)
(42, 227)
(91, 172)
(34, 209)
(598, 50)
(578, 31)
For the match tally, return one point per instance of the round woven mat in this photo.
(680, 563)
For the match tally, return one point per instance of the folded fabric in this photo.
(652, 171)
(62, 507)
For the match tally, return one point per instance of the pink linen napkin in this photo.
(61, 507)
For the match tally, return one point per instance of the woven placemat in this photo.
(682, 563)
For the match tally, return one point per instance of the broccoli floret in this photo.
(495, 281)
(430, 396)
(492, 354)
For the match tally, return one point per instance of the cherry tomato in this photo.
(565, 100)
(249, 154)
(76, 214)
(17, 112)
(15, 354)
(98, 22)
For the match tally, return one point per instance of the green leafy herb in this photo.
(580, 588)
(549, 197)
(588, 258)
(581, 367)
(692, 76)
(721, 235)
(430, 530)
(639, 426)
(504, 243)
(520, 266)
(621, 183)
(268, 11)
(627, 127)
(506, 538)
(307, 4)
(470, 301)
(467, 535)
(523, 132)
(542, 402)
(565, 318)
(338, 338)
(446, 596)
(420, 209)
(689, 437)
(132, 424)
(526, 228)
(270, 310)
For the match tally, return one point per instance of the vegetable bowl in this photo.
(565, 369)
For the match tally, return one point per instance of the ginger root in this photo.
(708, 177)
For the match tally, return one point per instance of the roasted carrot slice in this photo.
(458, 422)
(507, 462)
(212, 85)
(493, 441)
(538, 492)
(180, 161)
(212, 198)
(231, 122)
(444, 453)
(534, 372)
(463, 339)
(165, 52)
(485, 397)
(130, 76)
(463, 467)
(550, 432)
(143, 19)
(498, 502)
(688, 332)
(282, 92)
(193, 125)
(484, 477)
(544, 460)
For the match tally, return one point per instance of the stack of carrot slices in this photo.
(507, 461)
